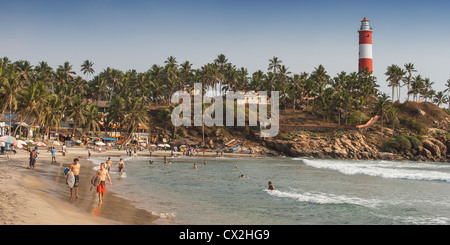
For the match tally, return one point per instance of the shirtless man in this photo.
(33, 156)
(103, 174)
(121, 165)
(108, 164)
(271, 187)
(75, 168)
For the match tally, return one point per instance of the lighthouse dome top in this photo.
(365, 25)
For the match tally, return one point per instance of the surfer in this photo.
(271, 187)
(75, 168)
(121, 165)
(101, 188)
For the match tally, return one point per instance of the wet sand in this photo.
(41, 197)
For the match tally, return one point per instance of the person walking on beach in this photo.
(101, 188)
(53, 151)
(121, 165)
(108, 164)
(33, 157)
(75, 168)
(64, 150)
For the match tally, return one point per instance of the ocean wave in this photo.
(394, 170)
(324, 198)
(419, 220)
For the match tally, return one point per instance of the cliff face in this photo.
(353, 145)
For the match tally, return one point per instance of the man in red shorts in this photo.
(101, 188)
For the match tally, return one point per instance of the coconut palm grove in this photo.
(50, 99)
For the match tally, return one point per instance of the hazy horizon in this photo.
(137, 34)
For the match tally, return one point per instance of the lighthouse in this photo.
(365, 46)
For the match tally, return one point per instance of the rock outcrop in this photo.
(353, 145)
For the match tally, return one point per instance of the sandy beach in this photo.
(41, 197)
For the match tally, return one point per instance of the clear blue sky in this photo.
(303, 34)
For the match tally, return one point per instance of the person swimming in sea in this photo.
(271, 187)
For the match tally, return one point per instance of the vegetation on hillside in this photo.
(47, 96)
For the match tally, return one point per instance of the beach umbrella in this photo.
(39, 144)
(55, 142)
(78, 141)
(99, 143)
(160, 145)
(29, 141)
(20, 143)
(8, 139)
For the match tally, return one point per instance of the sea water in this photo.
(308, 191)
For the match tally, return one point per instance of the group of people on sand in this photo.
(102, 173)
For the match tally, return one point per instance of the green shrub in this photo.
(398, 144)
(414, 125)
(357, 118)
(415, 142)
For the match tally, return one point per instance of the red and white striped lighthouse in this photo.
(365, 46)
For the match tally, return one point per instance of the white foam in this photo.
(421, 220)
(324, 198)
(392, 170)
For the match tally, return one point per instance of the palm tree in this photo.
(32, 98)
(24, 70)
(297, 86)
(448, 92)
(136, 115)
(157, 87)
(321, 79)
(417, 85)
(65, 73)
(93, 118)
(50, 113)
(78, 111)
(427, 91)
(10, 92)
(87, 69)
(80, 86)
(171, 61)
(395, 74)
(186, 75)
(382, 106)
(101, 88)
(257, 81)
(409, 67)
(440, 98)
(114, 79)
(274, 64)
(394, 117)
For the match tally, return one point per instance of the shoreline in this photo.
(40, 197)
